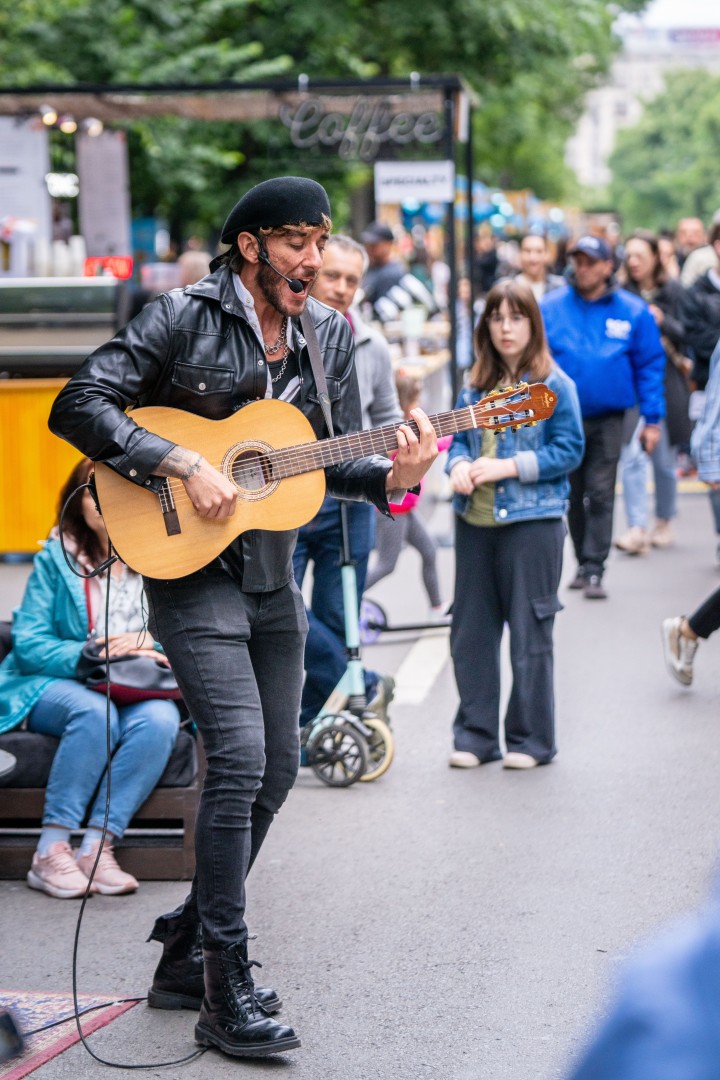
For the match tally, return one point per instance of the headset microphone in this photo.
(296, 285)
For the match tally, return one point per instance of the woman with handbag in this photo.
(42, 682)
(510, 496)
(646, 276)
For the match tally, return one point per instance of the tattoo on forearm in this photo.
(180, 463)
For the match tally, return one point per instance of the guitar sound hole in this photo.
(251, 470)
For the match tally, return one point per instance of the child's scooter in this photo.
(346, 742)
(374, 622)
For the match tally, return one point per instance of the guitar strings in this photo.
(285, 462)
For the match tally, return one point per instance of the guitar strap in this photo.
(316, 363)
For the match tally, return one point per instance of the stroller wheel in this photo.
(373, 621)
(381, 748)
(338, 755)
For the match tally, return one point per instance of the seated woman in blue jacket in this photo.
(39, 683)
(510, 496)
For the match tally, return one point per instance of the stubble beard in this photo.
(270, 285)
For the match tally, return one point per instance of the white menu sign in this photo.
(425, 181)
(104, 193)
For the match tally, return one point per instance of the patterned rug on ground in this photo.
(33, 1009)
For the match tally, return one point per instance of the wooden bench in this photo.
(160, 841)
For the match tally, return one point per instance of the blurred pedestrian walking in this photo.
(406, 525)
(644, 275)
(534, 272)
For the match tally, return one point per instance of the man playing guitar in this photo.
(234, 629)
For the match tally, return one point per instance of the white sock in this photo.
(91, 837)
(51, 834)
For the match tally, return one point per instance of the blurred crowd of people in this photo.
(632, 326)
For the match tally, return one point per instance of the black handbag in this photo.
(132, 678)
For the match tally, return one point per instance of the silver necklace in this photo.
(281, 339)
(281, 372)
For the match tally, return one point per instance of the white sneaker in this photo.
(439, 615)
(463, 759)
(679, 650)
(515, 760)
(661, 536)
(634, 542)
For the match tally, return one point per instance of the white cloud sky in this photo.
(682, 13)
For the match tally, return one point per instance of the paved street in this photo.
(446, 924)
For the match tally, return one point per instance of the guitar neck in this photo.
(307, 457)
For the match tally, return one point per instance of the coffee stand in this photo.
(422, 120)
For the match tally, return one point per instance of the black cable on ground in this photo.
(77, 1012)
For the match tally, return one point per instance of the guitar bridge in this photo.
(169, 510)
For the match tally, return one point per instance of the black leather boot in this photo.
(179, 981)
(231, 1018)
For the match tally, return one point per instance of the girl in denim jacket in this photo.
(510, 495)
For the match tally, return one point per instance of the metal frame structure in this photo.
(253, 101)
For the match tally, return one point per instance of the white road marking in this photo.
(416, 675)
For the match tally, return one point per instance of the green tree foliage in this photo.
(666, 167)
(530, 65)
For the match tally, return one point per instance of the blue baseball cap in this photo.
(593, 247)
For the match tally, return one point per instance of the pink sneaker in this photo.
(57, 873)
(109, 879)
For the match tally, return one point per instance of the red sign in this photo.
(120, 266)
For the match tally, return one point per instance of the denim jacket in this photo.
(544, 455)
(705, 441)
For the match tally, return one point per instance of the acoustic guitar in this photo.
(269, 451)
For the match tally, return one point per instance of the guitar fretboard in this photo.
(293, 460)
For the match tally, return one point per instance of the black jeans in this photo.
(507, 574)
(320, 542)
(238, 659)
(592, 492)
(705, 620)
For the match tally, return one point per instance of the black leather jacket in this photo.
(194, 349)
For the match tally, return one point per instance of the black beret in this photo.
(286, 200)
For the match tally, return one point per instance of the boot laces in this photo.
(241, 981)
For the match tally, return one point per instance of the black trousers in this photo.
(592, 492)
(506, 575)
(238, 659)
(705, 620)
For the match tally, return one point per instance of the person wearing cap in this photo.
(234, 630)
(608, 342)
(389, 288)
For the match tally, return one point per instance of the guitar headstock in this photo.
(522, 405)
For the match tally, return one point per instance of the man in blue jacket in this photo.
(607, 341)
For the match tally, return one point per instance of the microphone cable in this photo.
(77, 1012)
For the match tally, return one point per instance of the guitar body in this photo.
(143, 534)
(268, 450)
